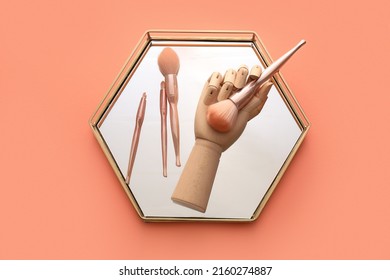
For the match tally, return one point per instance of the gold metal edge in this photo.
(121, 76)
(213, 35)
(297, 112)
(104, 105)
(286, 92)
(280, 174)
(294, 107)
(117, 172)
(201, 35)
(154, 219)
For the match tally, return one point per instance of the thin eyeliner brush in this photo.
(137, 131)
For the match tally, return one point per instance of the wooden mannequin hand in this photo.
(217, 89)
(195, 183)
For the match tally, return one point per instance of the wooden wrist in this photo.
(195, 183)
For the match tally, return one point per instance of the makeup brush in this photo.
(137, 131)
(163, 113)
(222, 115)
(168, 63)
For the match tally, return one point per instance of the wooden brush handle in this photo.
(195, 183)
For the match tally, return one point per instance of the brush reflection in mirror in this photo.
(246, 170)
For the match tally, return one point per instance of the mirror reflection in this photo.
(246, 169)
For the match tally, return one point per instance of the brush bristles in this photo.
(168, 62)
(222, 115)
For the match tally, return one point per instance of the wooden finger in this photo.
(227, 86)
(256, 104)
(255, 73)
(212, 88)
(241, 76)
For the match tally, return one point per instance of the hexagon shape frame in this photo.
(230, 38)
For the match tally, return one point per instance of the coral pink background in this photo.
(60, 199)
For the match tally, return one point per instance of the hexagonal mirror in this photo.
(154, 128)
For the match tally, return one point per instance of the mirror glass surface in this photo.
(246, 170)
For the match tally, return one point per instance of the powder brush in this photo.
(222, 115)
(169, 64)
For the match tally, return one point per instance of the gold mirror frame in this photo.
(205, 37)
